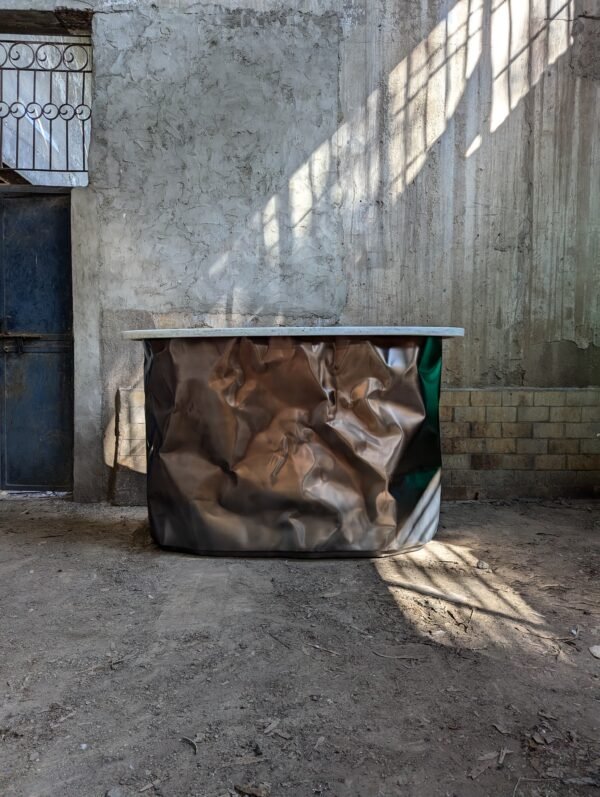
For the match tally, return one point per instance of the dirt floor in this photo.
(463, 669)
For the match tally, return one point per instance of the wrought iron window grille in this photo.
(45, 104)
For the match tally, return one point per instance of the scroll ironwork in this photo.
(45, 104)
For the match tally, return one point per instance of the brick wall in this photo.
(495, 444)
(519, 443)
(129, 475)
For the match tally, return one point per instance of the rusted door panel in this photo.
(36, 366)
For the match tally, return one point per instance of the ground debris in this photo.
(593, 780)
(320, 647)
(153, 785)
(399, 658)
(281, 641)
(466, 625)
(521, 779)
(595, 651)
(225, 658)
(192, 742)
(486, 761)
(246, 760)
(537, 738)
(62, 719)
(253, 791)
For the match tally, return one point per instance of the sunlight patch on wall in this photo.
(524, 43)
(270, 227)
(308, 185)
(380, 148)
(427, 86)
(473, 146)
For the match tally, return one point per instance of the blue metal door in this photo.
(36, 366)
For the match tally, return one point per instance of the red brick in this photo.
(549, 430)
(131, 448)
(550, 398)
(456, 492)
(581, 429)
(468, 445)
(498, 414)
(584, 397)
(517, 462)
(486, 398)
(479, 445)
(486, 461)
(583, 461)
(455, 398)
(516, 429)
(477, 478)
(499, 445)
(588, 483)
(456, 461)
(132, 415)
(486, 430)
(533, 413)
(131, 397)
(470, 414)
(591, 446)
(135, 463)
(590, 413)
(550, 462)
(446, 444)
(132, 431)
(446, 413)
(455, 429)
(564, 446)
(565, 413)
(530, 445)
(521, 398)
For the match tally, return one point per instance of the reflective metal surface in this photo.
(291, 446)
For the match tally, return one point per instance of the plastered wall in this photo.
(358, 161)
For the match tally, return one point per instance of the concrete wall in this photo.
(342, 161)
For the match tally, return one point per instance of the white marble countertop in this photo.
(293, 332)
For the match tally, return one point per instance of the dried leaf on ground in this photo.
(252, 791)
(479, 769)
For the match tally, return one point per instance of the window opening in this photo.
(45, 108)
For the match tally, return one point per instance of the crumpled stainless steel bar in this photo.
(293, 445)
